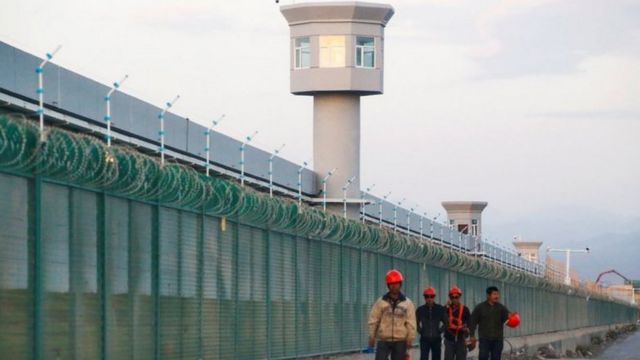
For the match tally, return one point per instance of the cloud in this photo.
(546, 37)
(488, 19)
(192, 17)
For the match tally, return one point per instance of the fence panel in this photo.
(124, 279)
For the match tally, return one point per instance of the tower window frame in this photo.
(365, 52)
(332, 51)
(302, 53)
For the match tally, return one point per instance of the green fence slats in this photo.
(56, 269)
(15, 285)
(189, 237)
(140, 281)
(119, 307)
(211, 332)
(84, 284)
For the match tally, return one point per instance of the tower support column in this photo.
(336, 144)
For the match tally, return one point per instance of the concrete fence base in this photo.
(560, 340)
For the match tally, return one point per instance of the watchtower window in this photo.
(302, 53)
(332, 51)
(365, 52)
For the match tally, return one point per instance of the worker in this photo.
(392, 321)
(431, 319)
(455, 346)
(489, 317)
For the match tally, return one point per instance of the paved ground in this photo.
(626, 349)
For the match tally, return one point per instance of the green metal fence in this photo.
(106, 255)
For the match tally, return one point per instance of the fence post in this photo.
(155, 277)
(200, 282)
(295, 296)
(102, 264)
(341, 295)
(37, 268)
(236, 310)
(268, 288)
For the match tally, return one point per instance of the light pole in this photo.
(509, 256)
(242, 149)
(384, 198)
(395, 214)
(107, 99)
(362, 206)
(344, 195)
(409, 214)
(207, 148)
(300, 170)
(494, 251)
(324, 188)
(275, 152)
(567, 252)
(162, 133)
(40, 89)
(424, 215)
(431, 227)
(491, 250)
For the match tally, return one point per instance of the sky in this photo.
(531, 105)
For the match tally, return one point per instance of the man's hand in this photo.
(512, 313)
(372, 341)
(409, 344)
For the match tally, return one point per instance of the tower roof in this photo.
(464, 205)
(527, 244)
(339, 11)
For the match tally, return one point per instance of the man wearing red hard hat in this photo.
(432, 320)
(455, 345)
(490, 317)
(392, 321)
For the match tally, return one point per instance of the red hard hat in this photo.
(513, 321)
(394, 276)
(429, 291)
(455, 291)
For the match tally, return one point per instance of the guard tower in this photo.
(529, 250)
(465, 216)
(337, 57)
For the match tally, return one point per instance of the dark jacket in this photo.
(455, 314)
(431, 321)
(489, 319)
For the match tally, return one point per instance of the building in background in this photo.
(465, 216)
(529, 250)
(624, 292)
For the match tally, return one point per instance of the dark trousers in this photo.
(490, 349)
(432, 345)
(395, 349)
(455, 349)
